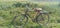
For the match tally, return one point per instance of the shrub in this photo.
(17, 4)
(58, 21)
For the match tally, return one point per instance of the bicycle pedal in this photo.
(42, 19)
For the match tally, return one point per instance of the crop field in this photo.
(8, 10)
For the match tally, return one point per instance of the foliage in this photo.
(10, 9)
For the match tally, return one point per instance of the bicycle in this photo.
(22, 19)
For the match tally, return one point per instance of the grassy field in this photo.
(7, 12)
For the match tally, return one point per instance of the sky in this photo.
(34, 0)
(46, 0)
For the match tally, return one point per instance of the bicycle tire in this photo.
(19, 20)
(43, 19)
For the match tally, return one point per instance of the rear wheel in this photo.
(43, 19)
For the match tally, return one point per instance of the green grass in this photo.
(6, 15)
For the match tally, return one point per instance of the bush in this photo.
(58, 21)
(17, 4)
(39, 26)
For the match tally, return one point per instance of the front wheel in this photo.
(19, 20)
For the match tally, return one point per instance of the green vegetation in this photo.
(10, 9)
